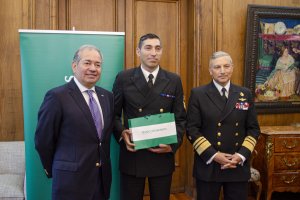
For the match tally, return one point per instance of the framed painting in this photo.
(272, 59)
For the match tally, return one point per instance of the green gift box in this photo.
(152, 130)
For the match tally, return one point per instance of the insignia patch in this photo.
(242, 99)
(242, 94)
(242, 105)
(167, 95)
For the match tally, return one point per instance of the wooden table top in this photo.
(280, 129)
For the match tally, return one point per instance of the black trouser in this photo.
(99, 193)
(231, 190)
(132, 187)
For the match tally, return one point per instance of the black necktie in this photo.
(224, 94)
(150, 81)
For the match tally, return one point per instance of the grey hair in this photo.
(77, 57)
(219, 54)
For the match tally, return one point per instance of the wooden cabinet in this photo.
(279, 159)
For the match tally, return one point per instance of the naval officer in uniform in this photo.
(223, 129)
(140, 91)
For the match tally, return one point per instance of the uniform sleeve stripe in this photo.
(201, 144)
(249, 143)
(203, 147)
(198, 141)
(251, 140)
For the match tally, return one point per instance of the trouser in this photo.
(132, 187)
(231, 190)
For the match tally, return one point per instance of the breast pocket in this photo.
(167, 99)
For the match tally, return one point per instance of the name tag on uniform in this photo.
(152, 130)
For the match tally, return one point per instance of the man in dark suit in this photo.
(223, 128)
(137, 95)
(74, 129)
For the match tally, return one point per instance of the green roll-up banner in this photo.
(46, 57)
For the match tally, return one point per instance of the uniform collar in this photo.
(219, 87)
(146, 73)
(81, 87)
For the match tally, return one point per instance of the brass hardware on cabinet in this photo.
(290, 164)
(269, 149)
(283, 178)
(295, 143)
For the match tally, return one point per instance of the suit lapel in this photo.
(139, 81)
(160, 83)
(215, 96)
(81, 103)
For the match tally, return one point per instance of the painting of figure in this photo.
(277, 73)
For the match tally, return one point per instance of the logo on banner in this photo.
(68, 79)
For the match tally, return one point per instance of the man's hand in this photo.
(126, 135)
(235, 158)
(222, 158)
(227, 161)
(162, 148)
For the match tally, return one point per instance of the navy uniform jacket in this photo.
(68, 145)
(212, 128)
(133, 96)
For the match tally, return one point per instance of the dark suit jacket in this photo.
(67, 142)
(212, 128)
(134, 97)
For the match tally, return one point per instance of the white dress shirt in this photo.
(83, 90)
(146, 74)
